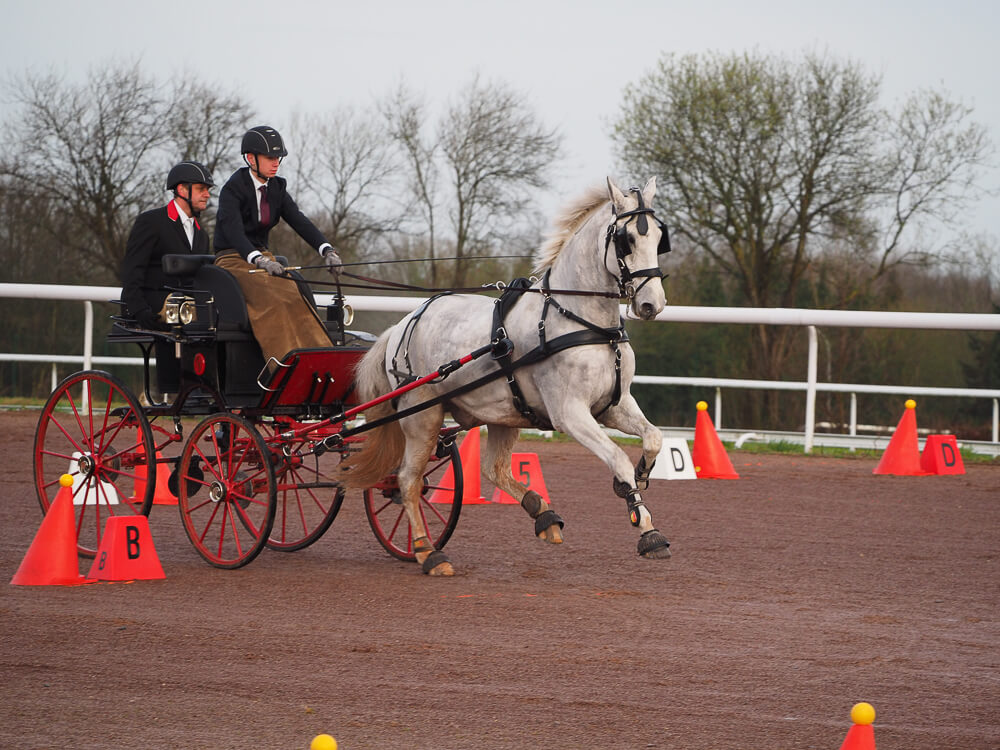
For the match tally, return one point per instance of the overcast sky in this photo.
(571, 59)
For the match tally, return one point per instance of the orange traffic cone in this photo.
(468, 452)
(161, 494)
(527, 469)
(126, 552)
(710, 458)
(861, 736)
(51, 559)
(902, 455)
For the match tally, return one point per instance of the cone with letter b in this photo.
(861, 736)
(708, 454)
(902, 455)
(51, 559)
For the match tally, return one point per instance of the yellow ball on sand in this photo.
(910, 404)
(701, 406)
(66, 480)
(862, 713)
(323, 742)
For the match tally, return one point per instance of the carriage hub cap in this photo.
(217, 492)
(86, 464)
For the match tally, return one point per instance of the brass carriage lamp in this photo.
(180, 309)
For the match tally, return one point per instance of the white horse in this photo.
(574, 389)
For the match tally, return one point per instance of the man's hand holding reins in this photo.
(273, 267)
(333, 263)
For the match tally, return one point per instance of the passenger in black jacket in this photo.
(251, 203)
(173, 228)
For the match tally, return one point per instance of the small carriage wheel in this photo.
(93, 428)
(226, 490)
(308, 498)
(440, 505)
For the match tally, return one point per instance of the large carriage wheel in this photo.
(440, 505)
(308, 498)
(93, 429)
(226, 490)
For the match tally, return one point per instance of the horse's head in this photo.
(638, 238)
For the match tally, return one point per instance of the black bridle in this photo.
(619, 235)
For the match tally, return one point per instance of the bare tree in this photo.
(406, 118)
(87, 149)
(496, 151)
(348, 169)
(98, 152)
(205, 124)
(493, 152)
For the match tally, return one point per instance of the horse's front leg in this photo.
(496, 467)
(627, 417)
(584, 429)
(421, 440)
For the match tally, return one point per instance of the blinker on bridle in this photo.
(619, 234)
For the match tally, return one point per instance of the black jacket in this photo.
(237, 226)
(155, 233)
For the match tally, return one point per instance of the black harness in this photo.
(623, 245)
(501, 348)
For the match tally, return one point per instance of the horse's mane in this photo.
(566, 224)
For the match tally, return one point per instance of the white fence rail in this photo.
(677, 314)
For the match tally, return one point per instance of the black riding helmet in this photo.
(188, 172)
(263, 140)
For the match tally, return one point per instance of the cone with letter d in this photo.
(708, 454)
(861, 736)
(902, 455)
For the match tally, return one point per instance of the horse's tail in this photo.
(382, 449)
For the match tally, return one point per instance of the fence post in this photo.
(810, 427)
(854, 417)
(718, 408)
(996, 420)
(88, 334)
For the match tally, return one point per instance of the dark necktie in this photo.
(265, 210)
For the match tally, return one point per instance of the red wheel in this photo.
(93, 429)
(440, 505)
(308, 497)
(226, 490)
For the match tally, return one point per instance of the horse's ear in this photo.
(616, 195)
(649, 191)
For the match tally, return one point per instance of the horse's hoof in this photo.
(654, 546)
(437, 564)
(552, 535)
(442, 569)
(548, 527)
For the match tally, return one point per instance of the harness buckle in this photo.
(501, 347)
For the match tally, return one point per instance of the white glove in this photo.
(273, 267)
(333, 263)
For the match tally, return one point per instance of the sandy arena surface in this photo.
(794, 592)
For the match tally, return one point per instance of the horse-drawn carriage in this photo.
(262, 467)
(251, 450)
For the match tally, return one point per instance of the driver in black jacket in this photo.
(251, 203)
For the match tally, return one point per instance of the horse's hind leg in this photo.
(421, 432)
(496, 467)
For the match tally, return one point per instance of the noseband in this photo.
(619, 234)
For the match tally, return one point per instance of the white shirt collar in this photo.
(184, 218)
(258, 183)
